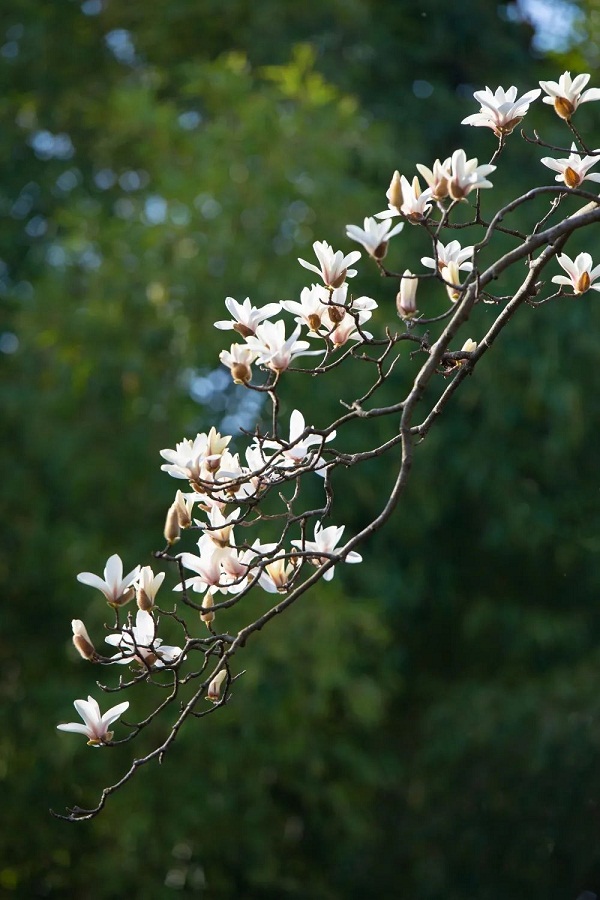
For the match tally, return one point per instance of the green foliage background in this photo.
(426, 726)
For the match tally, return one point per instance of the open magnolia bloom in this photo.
(138, 643)
(464, 175)
(580, 272)
(436, 178)
(208, 568)
(116, 589)
(312, 307)
(246, 317)
(96, 724)
(573, 170)
(566, 93)
(191, 458)
(297, 451)
(276, 573)
(415, 204)
(451, 252)
(326, 541)
(374, 236)
(271, 347)
(501, 110)
(333, 265)
(239, 359)
(146, 587)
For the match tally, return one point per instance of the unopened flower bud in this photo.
(407, 295)
(469, 346)
(394, 192)
(184, 517)
(208, 617)
(172, 527)
(451, 275)
(82, 642)
(214, 688)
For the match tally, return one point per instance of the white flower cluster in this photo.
(226, 487)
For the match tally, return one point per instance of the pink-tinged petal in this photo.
(75, 727)
(88, 710)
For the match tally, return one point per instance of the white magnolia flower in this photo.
(239, 359)
(82, 641)
(96, 724)
(451, 275)
(220, 526)
(138, 643)
(415, 205)
(271, 347)
(469, 346)
(374, 236)
(116, 589)
(573, 170)
(406, 299)
(312, 306)
(334, 266)
(326, 541)
(275, 577)
(500, 109)
(146, 587)
(245, 316)
(207, 568)
(394, 192)
(580, 272)
(347, 329)
(464, 175)
(565, 95)
(451, 252)
(190, 459)
(298, 450)
(436, 178)
(213, 692)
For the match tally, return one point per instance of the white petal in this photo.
(109, 717)
(113, 571)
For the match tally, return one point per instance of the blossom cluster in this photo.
(224, 487)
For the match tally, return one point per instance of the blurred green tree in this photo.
(426, 726)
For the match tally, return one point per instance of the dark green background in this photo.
(427, 726)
